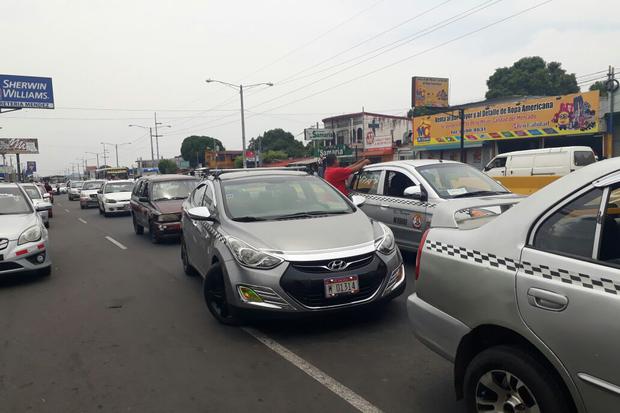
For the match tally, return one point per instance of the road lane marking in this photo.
(115, 242)
(67, 210)
(82, 221)
(330, 383)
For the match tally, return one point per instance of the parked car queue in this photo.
(524, 311)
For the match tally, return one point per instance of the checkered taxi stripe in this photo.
(538, 270)
(402, 201)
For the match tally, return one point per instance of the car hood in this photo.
(335, 232)
(13, 225)
(118, 196)
(170, 206)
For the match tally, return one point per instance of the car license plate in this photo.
(341, 285)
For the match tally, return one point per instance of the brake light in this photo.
(419, 254)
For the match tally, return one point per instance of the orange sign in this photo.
(429, 91)
(552, 116)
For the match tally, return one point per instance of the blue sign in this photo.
(26, 92)
(31, 168)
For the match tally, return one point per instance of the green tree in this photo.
(273, 156)
(278, 140)
(531, 76)
(420, 111)
(600, 86)
(167, 166)
(193, 148)
(239, 162)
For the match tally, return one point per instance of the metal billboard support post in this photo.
(462, 116)
(19, 169)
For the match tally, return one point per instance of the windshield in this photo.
(281, 197)
(78, 184)
(12, 201)
(456, 180)
(32, 192)
(92, 185)
(111, 188)
(173, 189)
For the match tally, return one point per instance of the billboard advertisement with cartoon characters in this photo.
(553, 116)
(429, 91)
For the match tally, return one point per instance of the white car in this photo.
(23, 238)
(43, 206)
(114, 197)
(74, 190)
(88, 194)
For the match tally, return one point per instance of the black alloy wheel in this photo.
(138, 229)
(214, 290)
(188, 269)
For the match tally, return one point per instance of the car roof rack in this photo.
(217, 172)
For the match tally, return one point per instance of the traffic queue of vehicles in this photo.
(518, 292)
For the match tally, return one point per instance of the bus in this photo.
(112, 173)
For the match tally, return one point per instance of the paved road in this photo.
(124, 330)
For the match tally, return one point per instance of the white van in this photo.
(540, 162)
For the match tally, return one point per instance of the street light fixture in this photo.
(150, 129)
(116, 145)
(240, 88)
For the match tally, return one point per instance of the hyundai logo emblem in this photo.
(337, 265)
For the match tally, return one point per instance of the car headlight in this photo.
(385, 244)
(251, 257)
(31, 234)
(167, 218)
(110, 201)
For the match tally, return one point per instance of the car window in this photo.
(78, 184)
(367, 182)
(396, 183)
(583, 158)
(570, 230)
(497, 163)
(32, 192)
(113, 187)
(609, 249)
(145, 190)
(209, 196)
(198, 195)
(177, 189)
(137, 188)
(89, 186)
(457, 180)
(13, 201)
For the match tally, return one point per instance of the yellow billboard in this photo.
(551, 116)
(429, 91)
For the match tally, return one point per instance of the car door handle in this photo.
(546, 300)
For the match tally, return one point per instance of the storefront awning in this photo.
(449, 147)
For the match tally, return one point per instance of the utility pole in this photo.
(462, 117)
(611, 85)
(116, 145)
(240, 88)
(105, 155)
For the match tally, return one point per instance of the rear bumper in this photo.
(439, 331)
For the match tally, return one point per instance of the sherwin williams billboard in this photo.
(26, 92)
(429, 91)
(573, 114)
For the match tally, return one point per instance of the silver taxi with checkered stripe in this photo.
(522, 295)
(404, 194)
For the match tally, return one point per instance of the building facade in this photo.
(221, 159)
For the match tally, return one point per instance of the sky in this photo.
(117, 62)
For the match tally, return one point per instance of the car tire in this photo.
(138, 229)
(45, 272)
(50, 214)
(46, 224)
(105, 214)
(188, 269)
(498, 372)
(153, 235)
(214, 291)
(82, 206)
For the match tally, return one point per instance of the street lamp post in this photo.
(97, 155)
(116, 145)
(150, 129)
(240, 88)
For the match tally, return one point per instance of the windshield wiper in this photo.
(308, 214)
(248, 219)
(479, 193)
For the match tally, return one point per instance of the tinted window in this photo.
(173, 189)
(145, 189)
(367, 182)
(12, 201)
(610, 237)
(570, 230)
(137, 188)
(498, 163)
(583, 158)
(396, 183)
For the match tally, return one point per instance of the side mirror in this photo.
(43, 206)
(46, 196)
(201, 213)
(358, 200)
(143, 199)
(100, 191)
(414, 192)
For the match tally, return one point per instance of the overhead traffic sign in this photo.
(18, 92)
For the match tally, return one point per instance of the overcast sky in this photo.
(115, 62)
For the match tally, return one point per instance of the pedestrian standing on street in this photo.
(336, 175)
